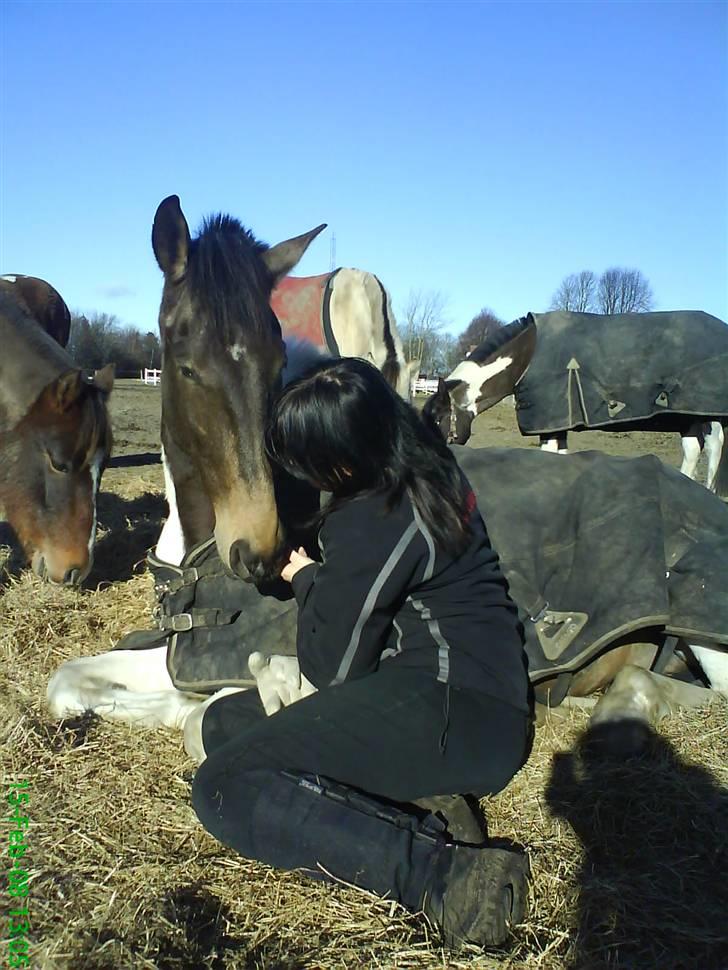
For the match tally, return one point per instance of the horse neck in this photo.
(29, 362)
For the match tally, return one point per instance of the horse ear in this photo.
(281, 259)
(104, 378)
(171, 238)
(65, 390)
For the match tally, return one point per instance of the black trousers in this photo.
(311, 788)
(382, 734)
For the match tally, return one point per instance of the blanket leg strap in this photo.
(664, 655)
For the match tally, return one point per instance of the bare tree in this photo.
(100, 339)
(576, 292)
(422, 321)
(624, 291)
(479, 329)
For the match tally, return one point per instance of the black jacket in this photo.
(384, 593)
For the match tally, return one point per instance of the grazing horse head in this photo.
(54, 440)
(483, 379)
(223, 358)
(439, 410)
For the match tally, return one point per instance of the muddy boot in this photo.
(461, 815)
(480, 895)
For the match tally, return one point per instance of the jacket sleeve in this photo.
(347, 604)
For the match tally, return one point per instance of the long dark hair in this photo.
(342, 428)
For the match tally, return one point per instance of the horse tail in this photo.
(391, 367)
(721, 476)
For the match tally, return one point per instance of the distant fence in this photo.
(151, 376)
(424, 385)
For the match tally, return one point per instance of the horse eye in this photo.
(62, 467)
(188, 373)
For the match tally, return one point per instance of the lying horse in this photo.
(348, 313)
(581, 371)
(41, 301)
(605, 585)
(54, 440)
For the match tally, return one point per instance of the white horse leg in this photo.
(171, 544)
(714, 444)
(714, 662)
(123, 685)
(556, 443)
(691, 450)
(193, 725)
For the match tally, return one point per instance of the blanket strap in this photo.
(182, 622)
(665, 653)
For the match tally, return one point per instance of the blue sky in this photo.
(483, 150)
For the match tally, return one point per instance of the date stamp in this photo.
(17, 930)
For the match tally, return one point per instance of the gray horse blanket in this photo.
(594, 548)
(617, 372)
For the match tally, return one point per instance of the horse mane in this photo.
(499, 337)
(227, 277)
(391, 367)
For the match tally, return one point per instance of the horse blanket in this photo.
(302, 305)
(615, 372)
(594, 548)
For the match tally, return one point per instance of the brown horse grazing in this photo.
(54, 439)
(224, 356)
(42, 302)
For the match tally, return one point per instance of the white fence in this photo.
(151, 376)
(424, 385)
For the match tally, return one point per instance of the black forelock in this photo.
(227, 279)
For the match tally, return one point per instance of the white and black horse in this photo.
(570, 371)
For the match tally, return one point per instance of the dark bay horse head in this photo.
(483, 379)
(54, 440)
(223, 355)
(41, 301)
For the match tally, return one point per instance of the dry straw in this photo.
(629, 858)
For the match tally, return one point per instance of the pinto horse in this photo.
(42, 302)
(54, 440)
(573, 371)
(347, 313)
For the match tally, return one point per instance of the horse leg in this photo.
(555, 443)
(714, 444)
(193, 724)
(132, 686)
(171, 544)
(691, 446)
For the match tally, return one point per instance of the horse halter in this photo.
(453, 432)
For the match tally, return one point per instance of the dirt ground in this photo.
(628, 858)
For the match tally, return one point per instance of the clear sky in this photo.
(483, 150)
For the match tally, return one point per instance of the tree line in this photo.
(424, 319)
(100, 338)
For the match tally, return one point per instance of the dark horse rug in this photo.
(617, 372)
(595, 548)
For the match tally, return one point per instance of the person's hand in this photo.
(297, 561)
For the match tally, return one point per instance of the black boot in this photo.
(461, 815)
(479, 895)
(294, 821)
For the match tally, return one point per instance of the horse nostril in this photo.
(72, 577)
(239, 558)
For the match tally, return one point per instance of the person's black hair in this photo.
(342, 428)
